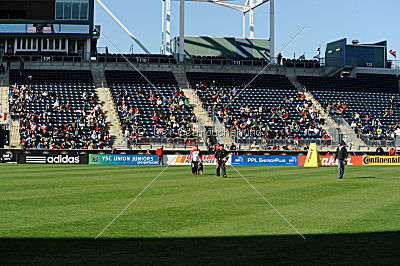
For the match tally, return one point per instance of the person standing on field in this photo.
(379, 151)
(221, 157)
(159, 153)
(341, 155)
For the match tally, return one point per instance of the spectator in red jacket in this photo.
(159, 153)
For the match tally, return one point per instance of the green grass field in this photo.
(51, 215)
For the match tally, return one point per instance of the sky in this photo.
(324, 21)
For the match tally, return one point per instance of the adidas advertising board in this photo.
(53, 159)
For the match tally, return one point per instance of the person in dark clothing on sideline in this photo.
(279, 59)
(21, 64)
(341, 155)
(379, 151)
(8, 63)
(2, 69)
(233, 148)
(221, 157)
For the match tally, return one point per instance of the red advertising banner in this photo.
(328, 160)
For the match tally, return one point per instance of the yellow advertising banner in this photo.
(381, 160)
(313, 159)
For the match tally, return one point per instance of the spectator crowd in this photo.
(42, 128)
(295, 119)
(369, 125)
(168, 115)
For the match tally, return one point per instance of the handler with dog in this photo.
(196, 161)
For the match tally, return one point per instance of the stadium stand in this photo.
(271, 109)
(57, 109)
(159, 114)
(369, 103)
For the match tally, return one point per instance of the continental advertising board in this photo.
(381, 160)
(123, 159)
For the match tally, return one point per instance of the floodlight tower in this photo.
(243, 6)
(123, 26)
(251, 18)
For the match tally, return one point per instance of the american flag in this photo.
(3, 117)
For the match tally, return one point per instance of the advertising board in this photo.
(53, 159)
(123, 159)
(381, 160)
(329, 160)
(185, 159)
(265, 160)
(8, 156)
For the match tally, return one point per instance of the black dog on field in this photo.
(197, 168)
(200, 168)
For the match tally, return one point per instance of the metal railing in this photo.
(375, 143)
(227, 61)
(48, 58)
(221, 132)
(347, 133)
(162, 141)
(161, 59)
(289, 63)
(202, 131)
(135, 59)
(268, 143)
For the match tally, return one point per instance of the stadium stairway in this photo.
(99, 78)
(338, 131)
(4, 82)
(4, 99)
(203, 120)
(112, 119)
(5, 79)
(4, 108)
(15, 138)
(180, 76)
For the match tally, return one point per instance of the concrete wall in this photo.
(170, 67)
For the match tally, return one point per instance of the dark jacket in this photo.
(379, 151)
(341, 153)
(221, 154)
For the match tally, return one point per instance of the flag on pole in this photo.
(394, 53)
(3, 117)
(303, 57)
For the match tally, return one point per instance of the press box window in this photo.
(59, 11)
(72, 9)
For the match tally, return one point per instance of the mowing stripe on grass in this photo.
(130, 203)
(267, 201)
